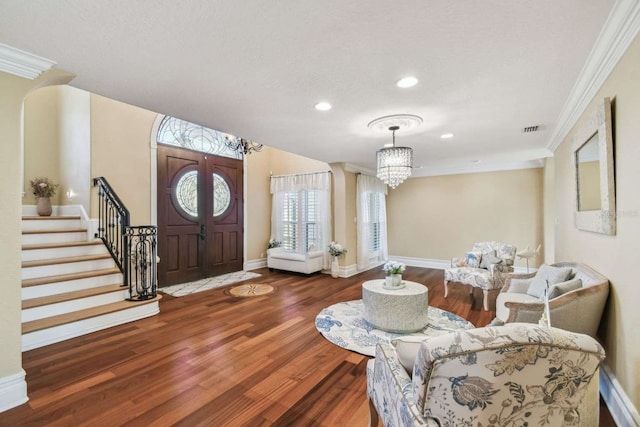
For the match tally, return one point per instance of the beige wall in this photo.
(549, 215)
(42, 140)
(614, 256)
(441, 217)
(75, 147)
(344, 212)
(57, 143)
(120, 136)
(13, 90)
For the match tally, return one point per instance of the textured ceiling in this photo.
(256, 68)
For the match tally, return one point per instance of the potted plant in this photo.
(43, 188)
(335, 250)
(394, 272)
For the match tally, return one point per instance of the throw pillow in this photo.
(488, 260)
(564, 287)
(407, 348)
(547, 274)
(472, 259)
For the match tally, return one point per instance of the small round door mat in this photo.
(251, 290)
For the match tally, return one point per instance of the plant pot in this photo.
(335, 267)
(43, 208)
(393, 281)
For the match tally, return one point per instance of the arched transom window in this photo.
(180, 133)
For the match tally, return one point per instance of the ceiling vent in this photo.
(530, 129)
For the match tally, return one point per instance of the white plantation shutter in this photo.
(372, 221)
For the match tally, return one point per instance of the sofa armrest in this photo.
(524, 312)
(508, 277)
(272, 251)
(315, 254)
(391, 383)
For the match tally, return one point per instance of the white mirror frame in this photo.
(603, 220)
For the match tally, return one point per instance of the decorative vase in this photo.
(335, 267)
(43, 208)
(393, 281)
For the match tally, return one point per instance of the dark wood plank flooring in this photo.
(211, 359)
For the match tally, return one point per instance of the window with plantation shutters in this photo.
(301, 212)
(372, 221)
(374, 201)
(300, 220)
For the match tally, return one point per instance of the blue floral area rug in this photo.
(343, 324)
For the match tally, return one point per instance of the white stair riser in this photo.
(77, 304)
(50, 224)
(35, 239)
(71, 251)
(67, 268)
(70, 330)
(70, 286)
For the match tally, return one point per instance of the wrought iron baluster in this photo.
(134, 249)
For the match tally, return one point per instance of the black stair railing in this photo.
(134, 248)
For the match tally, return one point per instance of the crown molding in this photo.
(22, 64)
(619, 31)
(496, 167)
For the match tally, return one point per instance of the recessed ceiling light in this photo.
(476, 161)
(405, 82)
(446, 135)
(323, 106)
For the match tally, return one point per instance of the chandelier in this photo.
(243, 145)
(394, 163)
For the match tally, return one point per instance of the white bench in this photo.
(280, 259)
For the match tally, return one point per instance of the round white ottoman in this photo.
(396, 310)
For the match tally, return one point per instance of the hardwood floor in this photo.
(211, 359)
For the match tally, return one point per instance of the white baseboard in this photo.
(618, 403)
(422, 262)
(349, 270)
(13, 391)
(254, 264)
(440, 263)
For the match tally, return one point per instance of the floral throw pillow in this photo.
(472, 259)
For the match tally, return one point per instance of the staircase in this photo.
(71, 286)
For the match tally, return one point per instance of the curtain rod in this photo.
(297, 174)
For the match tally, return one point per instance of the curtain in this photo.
(371, 209)
(320, 182)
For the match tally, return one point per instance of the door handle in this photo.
(203, 232)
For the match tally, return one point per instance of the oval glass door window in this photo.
(221, 195)
(187, 193)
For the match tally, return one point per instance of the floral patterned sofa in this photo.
(514, 375)
(481, 268)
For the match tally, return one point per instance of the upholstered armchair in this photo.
(577, 296)
(517, 374)
(482, 268)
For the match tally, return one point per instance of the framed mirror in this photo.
(592, 147)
